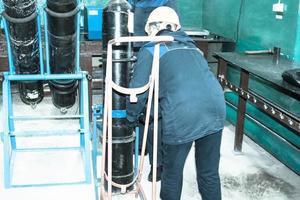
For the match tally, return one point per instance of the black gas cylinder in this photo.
(62, 17)
(22, 24)
(115, 24)
(63, 51)
(31, 92)
(62, 6)
(19, 8)
(62, 23)
(63, 93)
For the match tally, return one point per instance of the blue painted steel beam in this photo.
(6, 137)
(40, 42)
(32, 133)
(47, 43)
(85, 102)
(34, 77)
(48, 184)
(40, 117)
(48, 149)
(10, 113)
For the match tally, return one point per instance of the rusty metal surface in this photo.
(3, 53)
(239, 131)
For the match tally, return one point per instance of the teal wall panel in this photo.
(253, 24)
(267, 121)
(221, 17)
(275, 145)
(297, 43)
(190, 13)
(265, 90)
(260, 30)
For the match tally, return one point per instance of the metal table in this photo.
(263, 67)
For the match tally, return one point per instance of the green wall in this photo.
(253, 24)
(297, 45)
(190, 13)
(221, 17)
(283, 143)
(274, 144)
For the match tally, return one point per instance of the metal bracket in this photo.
(286, 118)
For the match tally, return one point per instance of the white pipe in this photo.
(155, 127)
(108, 92)
(142, 39)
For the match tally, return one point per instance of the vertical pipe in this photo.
(47, 43)
(109, 121)
(115, 25)
(155, 128)
(10, 116)
(64, 41)
(78, 44)
(40, 42)
(136, 150)
(105, 122)
(6, 149)
(85, 102)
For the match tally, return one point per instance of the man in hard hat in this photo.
(191, 103)
(142, 10)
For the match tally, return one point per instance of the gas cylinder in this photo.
(116, 16)
(22, 24)
(62, 23)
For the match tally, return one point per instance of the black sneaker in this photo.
(158, 174)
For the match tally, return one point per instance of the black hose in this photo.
(19, 20)
(62, 15)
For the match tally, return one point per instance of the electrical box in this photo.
(93, 22)
(279, 9)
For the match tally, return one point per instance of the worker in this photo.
(142, 10)
(191, 103)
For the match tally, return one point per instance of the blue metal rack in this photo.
(10, 135)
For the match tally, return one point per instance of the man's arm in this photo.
(142, 71)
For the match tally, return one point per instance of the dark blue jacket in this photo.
(191, 100)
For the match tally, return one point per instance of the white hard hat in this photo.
(162, 16)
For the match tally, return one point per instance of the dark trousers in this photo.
(159, 144)
(150, 142)
(207, 157)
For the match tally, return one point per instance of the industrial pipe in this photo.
(116, 17)
(22, 24)
(62, 21)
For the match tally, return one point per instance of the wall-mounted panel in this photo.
(190, 13)
(259, 29)
(221, 16)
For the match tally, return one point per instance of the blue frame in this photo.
(9, 134)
